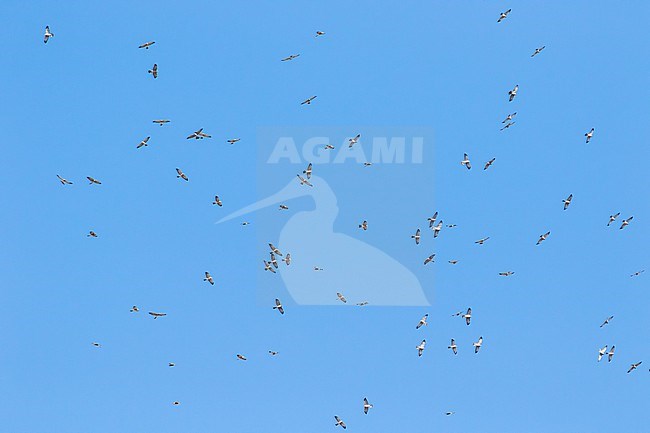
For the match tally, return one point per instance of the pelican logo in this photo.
(330, 222)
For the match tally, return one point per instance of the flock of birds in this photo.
(435, 225)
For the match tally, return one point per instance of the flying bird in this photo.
(307, 171)
(364, 225)
(91, 234)
(341, 297)
(489, 163)
(284, 207)
(209, 278)
(512, 93)
(161, 122)
(453, 347)
(453, 262)
(612, 218)
(97, 345)
(542, 238)
(481, 241)
(432, 219)
(416, 236)
(135, 309)
(504, 15)
(354, 140)
(634, 366)
(636, 274)
(63, 180)
(422, 322)
(610, 354)
(421, 347)
(506, 274)
(291, 57)
(436, 229)
(157, 315)
(450, 413)
(274, 250)
(478, 344)
(466, 162)
(507, 125)
(273, 352)
(362, 304)
(143, 143)
(198, 135)
(273, 261)
(429, 259)
(176, 403)
(308, 100)
(304, 181)
(268, 267)
(339, 422)
(241, 357)
(467, 316)
(93, 180)
(567, 201)
(217, 201)
(146, 45)
(154, 71)
(626, 223)
(602, 352)
(589, 135)
(606, 321)
(278, 306)
(366, 405)
(509, 117)
(287, 259)
(319, 33)
(538, 50)
(171, 364)
(233, 140)
(181, 175)
(48, 34)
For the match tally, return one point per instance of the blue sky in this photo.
(79, 105)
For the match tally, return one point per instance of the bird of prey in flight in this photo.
(154, 71)
(504, 15)
(143, 143)
(422, 322)
(181, 175)
(291, 57)
(466, 162)
(278, 306)
(542, 238)
(198, 135)
(513, 93)
(48, 34)
(538, 50)
(478, 344)
(63, 180)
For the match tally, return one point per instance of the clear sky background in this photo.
(79, 105)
